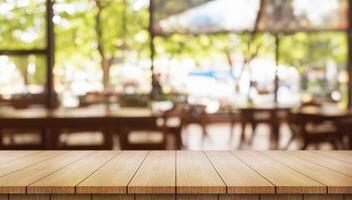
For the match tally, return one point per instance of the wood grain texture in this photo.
(339, 155)
(336, 182)
(8, 156)
(323, 160)
(238, 197)
(195, 174)
(4, 197)
(112, 197)
(190, 174)
(146, 181)
(70, 197)
(323, 197)
(155, 197)
(29, 197)
(65, 180)
(18, 181)
(238, 177)
(32, 159)
(115, 175)
(284, 178)
(281, 197)
(197, 197)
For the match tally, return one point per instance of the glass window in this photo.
(204, 16)
(101, 46)
(320, 59)
(23, 78)
(22, 24)
(302, 15)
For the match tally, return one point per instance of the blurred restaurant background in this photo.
(167, 74)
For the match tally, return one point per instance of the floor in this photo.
(219, 139)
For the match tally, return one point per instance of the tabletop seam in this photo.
(275, 187)
(326, 187)
(226, 187)
(70, 163)
(321, 164)
(104, 164)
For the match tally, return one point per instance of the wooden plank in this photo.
(17, 181)
(239, 197)
(112, 197)
(238, 177)
(323, 160)
(8, 156)
(29, 197)
(348, 152)
(336, 182)
(348, 197)
(285, 179)
(114, 176)
(147, 181)
(339, 155)
(32, 159)
(65, 180)
(281, 197)
(4, 197)
(197, 197)
(323, 197)
(195, 174)
(70, 197)
(155, 197)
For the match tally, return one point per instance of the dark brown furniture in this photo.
(271, 114)
(345, 126)
(22, 102)
(315, 125)
(194, 114)
(148, 127)
(55, 122)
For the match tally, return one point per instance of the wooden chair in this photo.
(312, 129)
(194, 114)
(23, 139)
(253, 117)
(64, 139)
(147, 126)
(345, 127)
(173, 129)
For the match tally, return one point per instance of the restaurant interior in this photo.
(175, 75)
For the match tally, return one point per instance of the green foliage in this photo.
(22, 25)
(304, 50)
(125, 37)
(123, 30)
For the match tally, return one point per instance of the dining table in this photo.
(171, 175)
(56, 120)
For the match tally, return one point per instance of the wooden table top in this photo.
(265, 107)
(170, 172)
(324, 112)
(89, 112)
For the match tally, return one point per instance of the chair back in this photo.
(147, 126)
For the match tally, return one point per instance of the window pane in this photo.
(320, 59)
(204, 16)
(22, 24)
(214, 67)
(23, 77)
(302, 15)
(101, 40)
